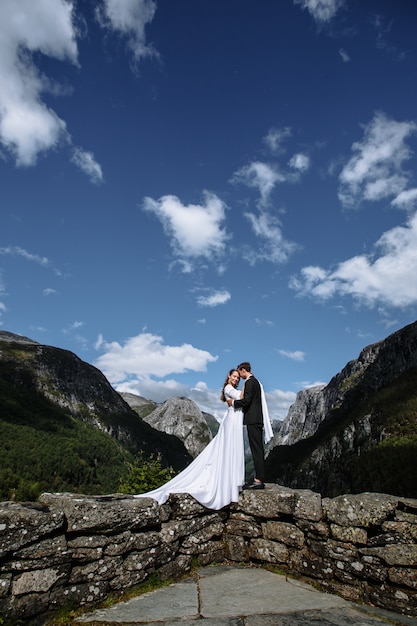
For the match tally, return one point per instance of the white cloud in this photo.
(49, 291)
(300, 162)
(375, 171)
(75, 325)
(406, 199)
(260, 176)
(296, 355)
(274, 247)
(195, 230)
(99, 342)
(387, 277)
(279, 402)
(16, 251)
(87, 163)
(321, 10)
(3, 308)
(344, 55)
(276, 137)
(129, 18)
(27, 126)
(264, 322)
(155, 390)
(71, 327)
(146, 355)
(214, 299)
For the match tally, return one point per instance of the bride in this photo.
(217, 474)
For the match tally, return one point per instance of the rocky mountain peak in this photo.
(359, 431)
(303, 418)
(13, 338)
(182, 417)
(376, 366)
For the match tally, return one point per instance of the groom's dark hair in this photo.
(244, 366)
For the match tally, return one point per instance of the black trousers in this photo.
(257, 449)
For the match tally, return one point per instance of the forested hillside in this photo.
(64, 428)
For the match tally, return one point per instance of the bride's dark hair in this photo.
(226, 382)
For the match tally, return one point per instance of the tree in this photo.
(145, 474)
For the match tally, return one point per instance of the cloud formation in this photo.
(129, 18)
(296, 355)
(16, 251)
(146, 355)
(195, 230)
(260, 176)
(28, 126)
(375, 171)
(322, 11)
(300, 162)
(406, 199)
(87, 163)
(275, 138)
(387, 277)
(273, 247)
(214, 299)
(3, 307)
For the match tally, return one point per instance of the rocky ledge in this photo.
(72, 550)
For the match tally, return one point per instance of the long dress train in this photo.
(217, 474)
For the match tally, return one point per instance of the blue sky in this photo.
(189, 184)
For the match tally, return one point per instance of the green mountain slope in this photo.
(64, 428)
(368, 443)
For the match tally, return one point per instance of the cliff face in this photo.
(303, 418)
(356, 432)
(177, 416)
(51, 391)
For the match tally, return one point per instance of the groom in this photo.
(251, 404)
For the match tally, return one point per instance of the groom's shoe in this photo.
(255, 485)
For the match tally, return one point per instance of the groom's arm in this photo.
(244, 402)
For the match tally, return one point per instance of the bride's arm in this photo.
(232, 392)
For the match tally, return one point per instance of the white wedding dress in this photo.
(217, 474)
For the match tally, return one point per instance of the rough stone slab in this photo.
(177, 601)
(364, 509)
(242, 596)
(22, 524)
(94, 514)
(221, 621)
(36, 581)
(252, 591)
(326, 617)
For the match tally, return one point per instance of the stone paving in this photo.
(239, 596)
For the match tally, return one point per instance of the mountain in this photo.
(303, 418)
(359, 432)
(177, 416)
(64, 428)
(140, 405)
(212, 423)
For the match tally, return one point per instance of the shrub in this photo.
(145, 474)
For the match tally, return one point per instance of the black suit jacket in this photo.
(251, 403)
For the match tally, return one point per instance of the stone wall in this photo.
(70, 550)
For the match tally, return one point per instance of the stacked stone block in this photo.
(76, 551)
